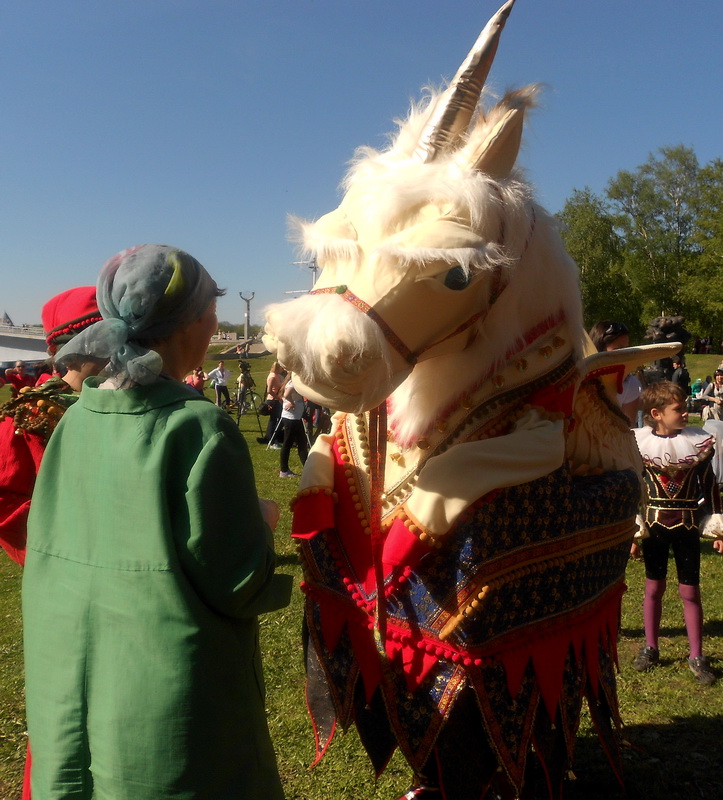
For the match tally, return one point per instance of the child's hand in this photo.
(718, 545)
(635, 551)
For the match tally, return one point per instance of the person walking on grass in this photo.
(678, 479)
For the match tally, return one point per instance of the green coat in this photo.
(147, 564)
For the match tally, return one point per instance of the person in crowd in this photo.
(680, 375)
(608, 335)
(712, 397)
(274, 433)
(27, 420)
(196, 379)
(219, 377)
(19, 377)
(294, 433)
(45, 371)
(149, 557)
(678, 479)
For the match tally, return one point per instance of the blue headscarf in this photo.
(145, 293)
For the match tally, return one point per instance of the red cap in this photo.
(69, 313)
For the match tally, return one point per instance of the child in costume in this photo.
(678, 476)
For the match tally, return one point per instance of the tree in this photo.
(590, 238)
(703, 289)
(655, 211)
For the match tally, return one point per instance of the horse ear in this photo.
(494, 146)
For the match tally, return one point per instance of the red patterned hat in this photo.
(69, 313)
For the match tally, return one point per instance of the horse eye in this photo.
(457, 278)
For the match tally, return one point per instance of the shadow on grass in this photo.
(287, 558)
(712, 628)
(661, 761)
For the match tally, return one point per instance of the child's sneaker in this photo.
(288, 474)
(646, 659)
(701, 669)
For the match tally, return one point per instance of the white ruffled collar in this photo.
(687, 447)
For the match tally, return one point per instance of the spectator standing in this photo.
(19, 377)
(219, 378)
(149, 559)
(274, 435)
(196, 379)
(294, 431)
(680, 375)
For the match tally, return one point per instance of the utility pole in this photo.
(247, 315)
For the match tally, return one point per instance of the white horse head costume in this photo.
(447, 299)
(439, 245)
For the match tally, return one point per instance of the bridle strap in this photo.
(409, 356)
(365, 308)
(378, 453)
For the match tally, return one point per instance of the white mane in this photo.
(391, 194)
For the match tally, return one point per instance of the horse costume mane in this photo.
(463, 567)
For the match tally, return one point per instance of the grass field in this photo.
(673, 725)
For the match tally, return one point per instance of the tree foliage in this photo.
(703, 287)
(590, 238)
(655, 210)
(653, 245)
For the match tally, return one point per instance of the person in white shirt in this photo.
(294, 433)
(219, 378)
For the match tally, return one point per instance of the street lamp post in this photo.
(312, 265)
(247, 315)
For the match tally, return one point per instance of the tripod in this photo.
(246, 398)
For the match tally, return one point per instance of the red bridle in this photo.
(411, 357)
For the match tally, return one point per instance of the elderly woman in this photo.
(143, 581)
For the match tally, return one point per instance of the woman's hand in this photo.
(270, 512)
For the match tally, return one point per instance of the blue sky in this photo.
(204, 123)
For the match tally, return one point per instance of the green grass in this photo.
(700, 366)
(673, 725)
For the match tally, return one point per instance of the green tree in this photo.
(703, 288)
(590, 237)
(655, 212)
